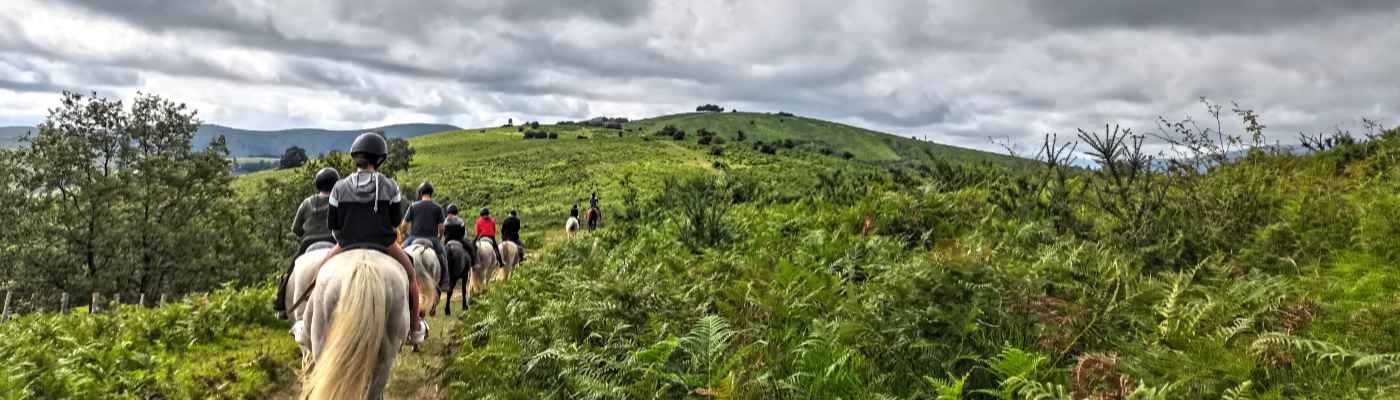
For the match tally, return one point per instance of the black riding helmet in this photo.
(452, 209)
(326, 178)
(426, 189)
(373, 146)
(485, 212)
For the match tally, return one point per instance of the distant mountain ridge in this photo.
(247, 143)
(250, 143)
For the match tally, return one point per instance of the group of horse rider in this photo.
(364, 210)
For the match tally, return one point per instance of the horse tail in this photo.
(423, 266)
(510, 252)
(350, 355)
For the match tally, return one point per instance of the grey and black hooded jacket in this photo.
(365, 207)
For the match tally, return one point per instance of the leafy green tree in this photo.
(400, 157)
(292, 158)
(74, 159)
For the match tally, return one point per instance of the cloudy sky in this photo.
(958, 72)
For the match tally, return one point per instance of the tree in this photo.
(400, 156)
(74, 159)
(709, 108)
(292, 158)
(120, 201)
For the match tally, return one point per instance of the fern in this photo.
(1033, 390)
(1381, 364)
(1241, 392)
(950, 388)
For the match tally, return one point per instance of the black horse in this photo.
(457, 269)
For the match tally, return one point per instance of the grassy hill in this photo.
(806, 275)
(865, 144)
(542, 178)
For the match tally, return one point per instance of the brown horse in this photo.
(594, 218)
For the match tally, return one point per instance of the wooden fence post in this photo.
(92, 306)
(116, 300)
(142, 301)
(5, 315)
(162, 299)
(63, 302)
(34, 303)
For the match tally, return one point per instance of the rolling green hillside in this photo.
(805, 275)
(543, 178)
(865, 144)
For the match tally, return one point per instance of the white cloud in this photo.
(959, 71)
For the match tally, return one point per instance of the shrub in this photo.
(700, 204)
(709, 108)
(582, 137)
(553, 135)
(705, 140)
(716, 150)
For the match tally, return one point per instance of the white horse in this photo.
(425, 262)
(357, 319)
(510, 254)
(303, 273)
(571, 225)
(485, 265)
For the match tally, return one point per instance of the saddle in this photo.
(320, 245)
(305, 295)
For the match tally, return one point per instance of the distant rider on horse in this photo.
(486, 229)
(424, 220)
(365, 207)
(310, 226)
(454, 228)
(510, 232)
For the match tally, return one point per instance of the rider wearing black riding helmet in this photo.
(365, 207)
(310, 226)
(424, 220)
(454, 228)
(510, 232)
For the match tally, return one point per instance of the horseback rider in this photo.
(593, 200)
(454, 228)
(510, 232)
(365, 207)
(486, 229)
(310, 227)
(424, 220)
(574, 211)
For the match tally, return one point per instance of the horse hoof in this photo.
(432, 313)
(417, 349)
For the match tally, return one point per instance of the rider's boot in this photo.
(279, 304)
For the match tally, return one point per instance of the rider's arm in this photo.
(403, 226)
(300, 219)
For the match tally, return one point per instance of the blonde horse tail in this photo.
(350, 355)
(427, 284)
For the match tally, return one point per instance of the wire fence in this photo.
(18, 303)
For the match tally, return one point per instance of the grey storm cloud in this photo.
(957, 71)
